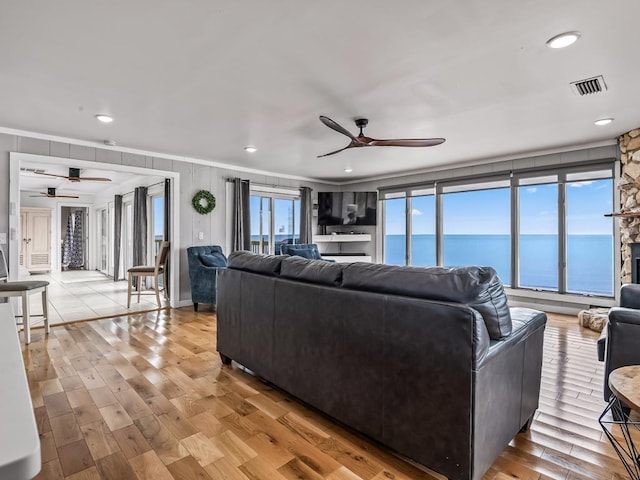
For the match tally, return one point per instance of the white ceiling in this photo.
(204, 78)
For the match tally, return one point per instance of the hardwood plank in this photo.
(116, 466)
(50, 471)
(99, 439)
(75, 457)
(90, 473)
(223, 469)
(165, 445)
(65, 429)
(202, 449)
(132, 442)
(148, 466)
(188, 469)
(115, 416)
(57, 404)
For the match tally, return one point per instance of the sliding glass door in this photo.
(275, 220)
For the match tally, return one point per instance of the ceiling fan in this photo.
(74, 176)
(51, 193)
(362, 141)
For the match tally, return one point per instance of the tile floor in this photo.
(81, 295)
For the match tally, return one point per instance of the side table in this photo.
(625, 385)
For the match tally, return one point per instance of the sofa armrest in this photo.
(630, 295)
(624, 315)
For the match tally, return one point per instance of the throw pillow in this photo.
(214, 260)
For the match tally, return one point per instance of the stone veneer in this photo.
(629, 197)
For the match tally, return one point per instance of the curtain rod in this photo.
(149, 186)
(269, 185)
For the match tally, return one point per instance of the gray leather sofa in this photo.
(618, 345)
(431, 362)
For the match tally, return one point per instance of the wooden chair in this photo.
(142, 271)
(24, 290)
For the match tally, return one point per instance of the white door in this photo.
(35, 224)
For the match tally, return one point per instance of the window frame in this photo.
(512, 180)
(263, 192)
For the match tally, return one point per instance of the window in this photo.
(547, 227)
(423, 230)
(589, 240)
(395, 230)
(157, 226)
(275, 220)
(538, 236)
(477, 229)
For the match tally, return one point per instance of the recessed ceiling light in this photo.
(563, 40)
(348, 170)
(104, 118)
(250, 149)
(603, 121)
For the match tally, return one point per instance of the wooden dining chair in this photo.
(142, 271)
(24, 289)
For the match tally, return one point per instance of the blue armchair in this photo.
(204, 263)
(306, 250)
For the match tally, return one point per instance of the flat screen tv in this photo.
(347, 208)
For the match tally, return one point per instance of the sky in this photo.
(488, 211)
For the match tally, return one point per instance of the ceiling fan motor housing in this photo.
(74, 173)
(51, 192)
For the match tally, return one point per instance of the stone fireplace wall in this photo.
(629, 197)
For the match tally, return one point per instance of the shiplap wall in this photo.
(193, 177)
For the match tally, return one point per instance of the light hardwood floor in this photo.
(145, 397)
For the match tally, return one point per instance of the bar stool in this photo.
(24, 290)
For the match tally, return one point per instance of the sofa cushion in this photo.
(256, 263)
(213, 260)
(312, 271)
(478, 287)
(309, 251)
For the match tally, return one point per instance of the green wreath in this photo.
(204, 202)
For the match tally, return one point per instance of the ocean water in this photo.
(589, 258)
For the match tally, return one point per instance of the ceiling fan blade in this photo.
(406, 142)
(337, 127)
(51, 175)
(92, 179)
(65, 196)
(336, 151)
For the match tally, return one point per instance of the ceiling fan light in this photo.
(104, 118)
(563, 40)
(603, 121)
(250, 149)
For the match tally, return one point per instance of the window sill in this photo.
(569, 303)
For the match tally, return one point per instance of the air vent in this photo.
(589, 86)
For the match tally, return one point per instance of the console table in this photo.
(19, 440)
(625, 385)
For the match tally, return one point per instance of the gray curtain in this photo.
(140, 226)
(241, 234)
(77, 241)
(306, 215)
(117, 235)
(167, 229)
